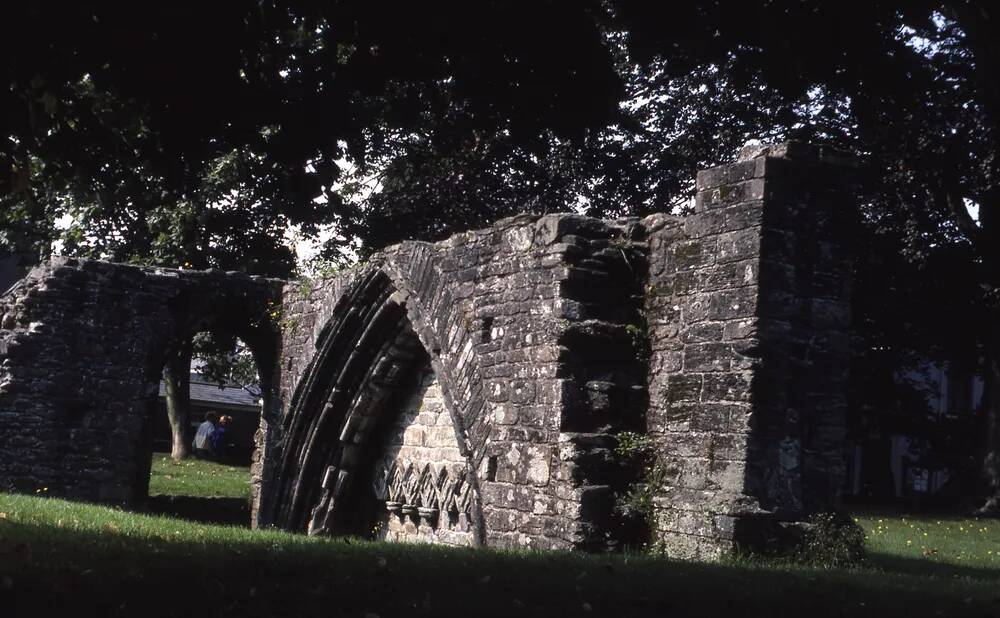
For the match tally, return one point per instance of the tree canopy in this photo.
(169, 127)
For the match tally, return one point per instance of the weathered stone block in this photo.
(684, 388)
(727, 386)
(708, 357)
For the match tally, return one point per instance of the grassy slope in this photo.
(196, 477)
(98, 561)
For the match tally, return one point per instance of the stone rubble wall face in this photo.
(701, 305)
(488, 299)
(799, 395)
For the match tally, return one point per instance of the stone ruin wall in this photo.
(488, 306)
(721, 335)
(523, 350)
(82, 345)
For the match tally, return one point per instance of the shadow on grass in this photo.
(228, 511)
(115, 570)
(930, 568)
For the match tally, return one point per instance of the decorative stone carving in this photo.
(414, 489)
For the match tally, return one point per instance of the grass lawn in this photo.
(935, 546)
(58, 556)
(197, 477)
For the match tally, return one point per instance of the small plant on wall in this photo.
(637, 455)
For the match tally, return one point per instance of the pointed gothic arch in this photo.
(368, 353)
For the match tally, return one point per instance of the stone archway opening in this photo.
(84, 344)
(375, 450)
(216, 361)
(214, 386)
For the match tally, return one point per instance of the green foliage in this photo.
(225, 359)
(288, 323)
(832, 540)
(319, 268)
(638, 452)
(315, 271)
(639, 334)
(438, 119)
(636, 331)
(273, 311)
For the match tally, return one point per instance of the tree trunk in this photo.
(177, 380)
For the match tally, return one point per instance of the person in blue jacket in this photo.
(218, 437)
